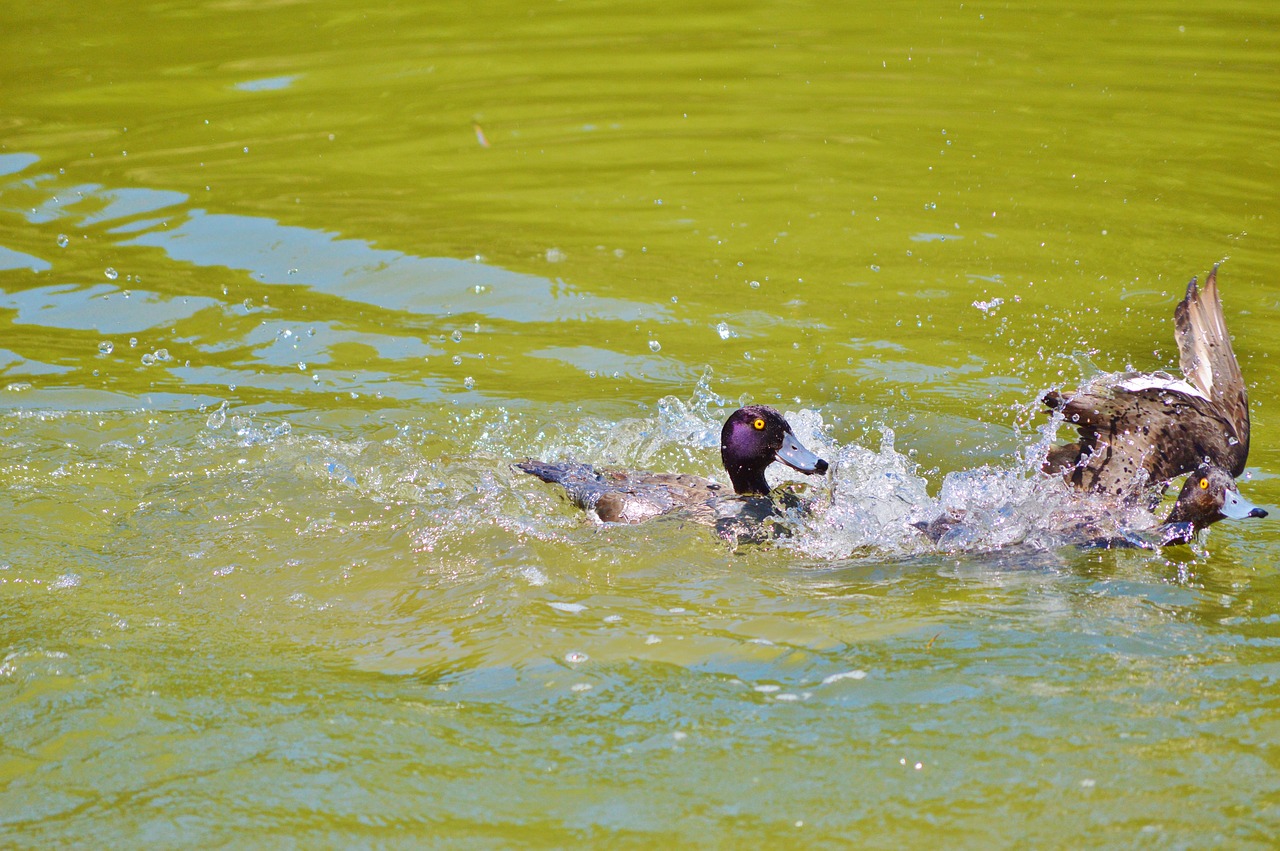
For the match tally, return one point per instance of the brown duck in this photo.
(751, 439)
(1139, 430)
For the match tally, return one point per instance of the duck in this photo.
(1141, 430)
(753, 437)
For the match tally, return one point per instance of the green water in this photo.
(285, 287)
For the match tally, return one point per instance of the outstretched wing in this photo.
(1210, 365)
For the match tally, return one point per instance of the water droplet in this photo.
(457, 360)
(162, 355)
(148, 359)
(106, 347)
(724, 331)
(573, 657)
(302, 366)
(469, 382)
(133, 342)
(755, 285)
(456, 336)
(111, 274)
(63, 240)
(554, 255)
(218, 417)
(655, 346)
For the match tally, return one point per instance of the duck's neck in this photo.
(748, 482)
(1179, 514)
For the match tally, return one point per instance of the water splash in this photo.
(874, 497)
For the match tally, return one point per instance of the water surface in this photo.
(285, 289)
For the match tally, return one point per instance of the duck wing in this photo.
(635, 497)
(1210, 365)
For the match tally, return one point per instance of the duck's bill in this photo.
(795, 456)
(1238, 508)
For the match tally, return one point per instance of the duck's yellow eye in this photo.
(758, 425)
(1204, 484)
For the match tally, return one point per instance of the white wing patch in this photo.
(1157, 382)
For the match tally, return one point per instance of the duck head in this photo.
(1208, 495)
(753, 438)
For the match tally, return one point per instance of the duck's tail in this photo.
(580, 481)
(556, 474)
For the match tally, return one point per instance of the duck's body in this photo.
(1139, 431)
(752, 438)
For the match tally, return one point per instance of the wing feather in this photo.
(1210, 364)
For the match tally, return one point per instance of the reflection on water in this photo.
(426, 296)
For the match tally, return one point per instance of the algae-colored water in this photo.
(284, 289)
